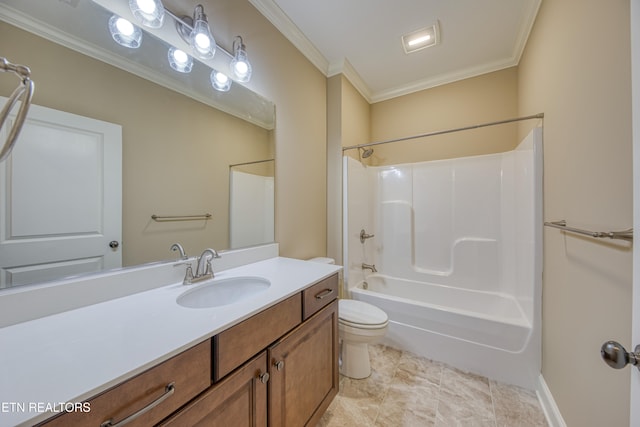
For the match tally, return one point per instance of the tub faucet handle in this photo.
(371, 267)
(364, 236)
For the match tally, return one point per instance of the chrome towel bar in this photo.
(159, 218)
(620, 235)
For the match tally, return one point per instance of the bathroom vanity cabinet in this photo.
(278, 368)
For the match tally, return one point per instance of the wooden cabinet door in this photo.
(240, 400)
(304, 371)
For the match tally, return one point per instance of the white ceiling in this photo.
(362, 39)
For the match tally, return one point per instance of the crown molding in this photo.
(346, 69)
(282, 22)
(442, 80)
(525, 30)
(270, 10)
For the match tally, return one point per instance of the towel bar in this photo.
(165, 218)
(620, 235)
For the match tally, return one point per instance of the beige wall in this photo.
(281, 73)
(299, 90)
(482, 99)
(583, 85)
(348, 123)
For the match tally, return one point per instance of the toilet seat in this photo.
(359, 314)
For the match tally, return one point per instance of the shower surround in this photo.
(458, 249)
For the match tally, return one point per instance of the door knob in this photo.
(616, 356)
(114, 244)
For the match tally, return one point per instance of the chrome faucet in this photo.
(178, 247)
(371, 267)
(204, 270)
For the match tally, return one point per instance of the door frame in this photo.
(634, 416)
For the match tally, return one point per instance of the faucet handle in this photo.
(209, 269)
(188, 275)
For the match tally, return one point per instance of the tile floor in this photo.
(407, 390)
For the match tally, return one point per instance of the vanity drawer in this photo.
(189, 372)
(319, 295)
(237, 344)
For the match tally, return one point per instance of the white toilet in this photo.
(359, 325)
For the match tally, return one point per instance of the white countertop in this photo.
(71, 356)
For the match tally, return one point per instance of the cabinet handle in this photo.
(279, 365)
(168, 391)
(264, 378)
(324, 293)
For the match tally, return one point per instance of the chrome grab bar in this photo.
(24, 93)
(160, 218)
(621, 235)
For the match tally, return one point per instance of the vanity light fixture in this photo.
(194, 31)
(180, 60)
(124, 32)
(240, 65)
(220, 81)
(421, 39)
(197, 33)
(149, 13)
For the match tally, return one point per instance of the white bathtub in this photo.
(482, 332)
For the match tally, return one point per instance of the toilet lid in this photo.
(361, 313)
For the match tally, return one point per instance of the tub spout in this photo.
(371, 267)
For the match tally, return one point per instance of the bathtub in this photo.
(482, 332)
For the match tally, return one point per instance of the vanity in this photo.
(265, 359)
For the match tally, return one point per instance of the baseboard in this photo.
(551, 411)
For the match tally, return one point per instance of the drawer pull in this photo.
(324, 293)
(168, 391)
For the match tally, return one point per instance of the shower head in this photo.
(366, 152)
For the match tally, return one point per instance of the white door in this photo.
(635, 81)
(60, 198)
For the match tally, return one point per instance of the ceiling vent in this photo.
(421, 39)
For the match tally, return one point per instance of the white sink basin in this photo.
(223, 292)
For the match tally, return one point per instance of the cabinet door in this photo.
(304, 371)
(239, 400)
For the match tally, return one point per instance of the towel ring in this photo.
(23, 93)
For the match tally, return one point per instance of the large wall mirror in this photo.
(182, 142)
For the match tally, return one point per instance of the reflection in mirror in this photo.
(251, 203)
(176, 149)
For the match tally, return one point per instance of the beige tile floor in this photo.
(407, 390)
